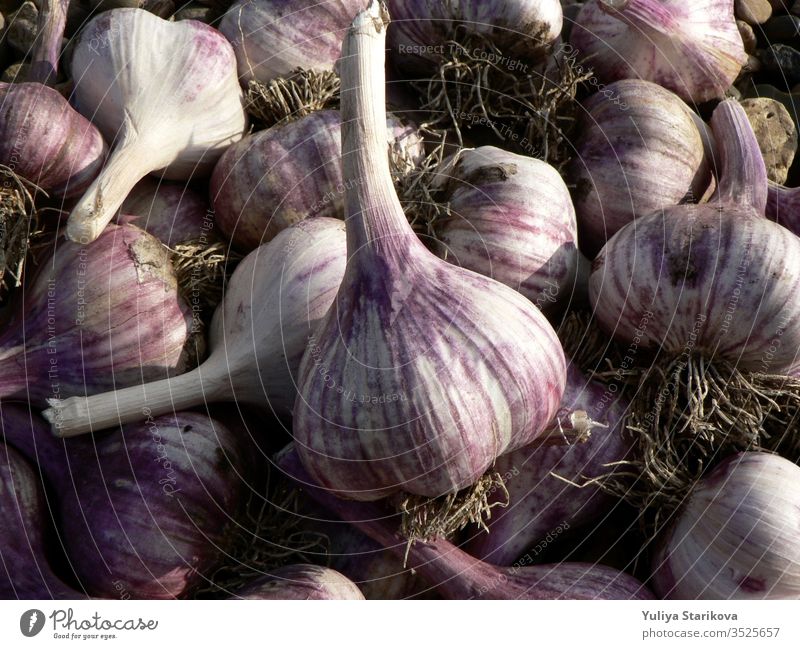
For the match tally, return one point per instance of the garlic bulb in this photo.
(511, 218)
(421, 373)
(300, 581)
(97, 317)
(638, 150)
(274, 178)
(692, 48)
(165, 93)
(586, 437)
(44, 140)
(718, 279)
(420, 30)
(273, 38)
(171, 212)
(272, 304)
(736, 536)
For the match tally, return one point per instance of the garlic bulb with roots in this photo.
(273, 178)
(165, 93)
(271, 306)
(510, 217)
(692, 48)
(639, 148)
(97, 317)
(421, 373)
(712, 291)
(736, 535)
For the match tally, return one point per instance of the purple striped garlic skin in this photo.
(511, 219)
(783, 206)
(736, 536)
(144, 509)
(421, 373)
(721, 282)
(95, 318)
(273, 38)
(172, 212)
(420, 30)
(44, 140)
(540, 503)
(459, 576)
(300, 581)
(716, 279)
(25, 572)
(272, 304)
(165, 93)
(637, 150)
(692, 48)
(274, 178)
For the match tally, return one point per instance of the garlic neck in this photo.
(375, 218)
(644, 15)
(742, 177)
(47, 49)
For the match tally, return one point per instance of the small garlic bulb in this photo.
(738, 535)
(638, 150)
(690, 47)
(511, 219)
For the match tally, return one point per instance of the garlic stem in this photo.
(375, 217)
(742, 177)
(641, 14)
(47, 50)
(78, 415)
(100, 202)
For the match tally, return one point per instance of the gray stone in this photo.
(16, 72)
(782, 60)
(21, 28)
(776, 134)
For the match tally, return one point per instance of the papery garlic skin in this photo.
(717, 279)
(172, 212)
(421, 373)
(638, 149)
(587, 438)
(96, 318)
(44, 140)
(274, 178)
(737, 535)
(420, 30)
(511, 218)
(693, 48)
(300, 581)
(167, 95)
(273, 38)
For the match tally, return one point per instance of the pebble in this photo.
(795, 8)
(776, 135)
(21, 31)
(753, 12)
(748, 36)
(782, 28)
(14, 72)
(782, 60)
(195, 12)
